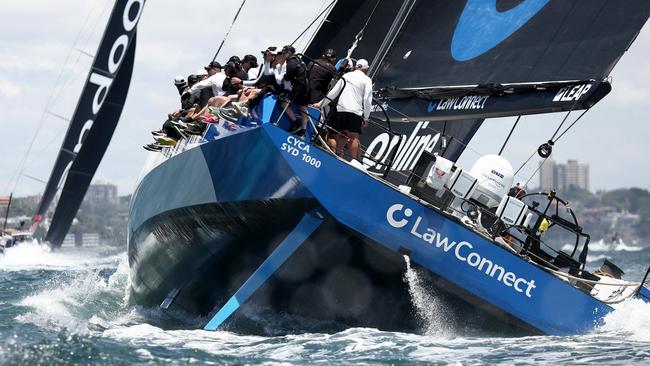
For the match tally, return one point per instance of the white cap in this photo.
(179, 80)
(362, 64)
(202, 72)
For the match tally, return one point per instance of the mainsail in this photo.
(94, 119)
(505, 58)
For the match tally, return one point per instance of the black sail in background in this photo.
(116, 49)
(85, 165)
(474, 42)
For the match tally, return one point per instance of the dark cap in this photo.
(230, 65)
(288, 48)
(194, 78)
(250, 58)
(235, 59)
(213, 64)
(329, 53)
(270, 49)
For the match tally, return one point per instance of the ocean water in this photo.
(71, 307)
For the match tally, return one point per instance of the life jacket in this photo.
(296, 71)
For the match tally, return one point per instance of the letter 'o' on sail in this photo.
(481, 26)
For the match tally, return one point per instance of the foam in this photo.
(32, 255)
(85, 299)
(631, 317)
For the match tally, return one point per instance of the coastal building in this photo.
(563, 176)
(102, 192)
(547, 174)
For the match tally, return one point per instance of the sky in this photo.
(45, 55)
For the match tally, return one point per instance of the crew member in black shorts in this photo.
(353, 108)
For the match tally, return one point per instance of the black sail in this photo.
(510, 41)
(489, 58)
(95, 144)
(91, 128)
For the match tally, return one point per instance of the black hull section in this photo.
(197, 257)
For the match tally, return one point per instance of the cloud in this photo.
(9, 89)
(631, 93)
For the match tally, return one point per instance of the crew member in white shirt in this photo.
(215, 80)
(353, 108)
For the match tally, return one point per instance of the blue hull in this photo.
(204, 221)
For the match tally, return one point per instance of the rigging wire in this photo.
(320, 24)
(313, 21)
(86, 43)
(229, 29)
(67, 83)
(299, 41)
(54, 94)
(359, 35)
(552, 142)
(510, 134)
(572, 124)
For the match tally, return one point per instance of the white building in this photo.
(563, 176)
(101, 192)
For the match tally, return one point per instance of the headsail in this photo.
(94, 118)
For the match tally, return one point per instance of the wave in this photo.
(630, 319)
(94, 303)
(597, 258)
(34, 256)
(603, 246)
(75, 299)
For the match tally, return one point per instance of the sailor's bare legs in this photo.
(249, 93)
(354, 144)
(305, 116)
(331, 140)
(218, 101)
(341, 141)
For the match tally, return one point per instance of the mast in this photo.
(394, 30)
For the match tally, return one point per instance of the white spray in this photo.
(437, 320)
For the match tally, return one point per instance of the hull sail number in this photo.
(296, 147)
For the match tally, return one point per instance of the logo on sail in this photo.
(409, 149)
(571, 93)
(482, 27)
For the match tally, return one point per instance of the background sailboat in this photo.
(93, 122)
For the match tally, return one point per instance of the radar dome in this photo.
(494, 176)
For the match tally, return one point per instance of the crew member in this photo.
(354, 92)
